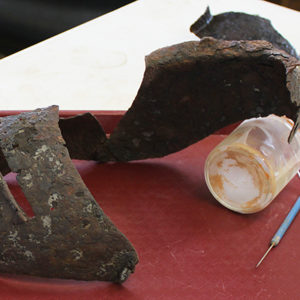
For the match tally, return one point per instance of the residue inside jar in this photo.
(239, 180)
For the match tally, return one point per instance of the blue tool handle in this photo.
(286, 223)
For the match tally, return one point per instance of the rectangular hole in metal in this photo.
(18, 194)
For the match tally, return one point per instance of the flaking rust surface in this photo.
(189, 91)
(192, 89)
(85, 138)
(69, 236)
(240, 26)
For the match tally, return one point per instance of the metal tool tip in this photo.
(293, 131)
(271, 246)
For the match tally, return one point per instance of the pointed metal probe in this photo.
(283, 228)
(272, 245)
(294, 129)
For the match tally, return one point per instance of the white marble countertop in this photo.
(99, 65)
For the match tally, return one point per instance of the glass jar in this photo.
(247, 170)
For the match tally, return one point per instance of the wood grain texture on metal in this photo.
(190, 247)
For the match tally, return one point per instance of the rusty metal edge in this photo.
(107, 118)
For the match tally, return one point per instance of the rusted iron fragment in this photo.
(192, 89)
(69, 236)
(84, 137)
(4, 168)
(240, 26)
(293, 84)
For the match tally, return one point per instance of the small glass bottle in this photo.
(247, 170)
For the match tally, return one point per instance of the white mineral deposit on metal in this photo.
(252, 165)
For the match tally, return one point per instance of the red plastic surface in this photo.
(190, 247)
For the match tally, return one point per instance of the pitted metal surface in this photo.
(69, 235)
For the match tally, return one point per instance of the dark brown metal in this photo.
(85, 138)
(69, 236)
(189, 91)
(240, 26)
(192, 89)
(4, 168)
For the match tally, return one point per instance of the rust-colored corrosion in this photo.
(85, 138)
(189, 91)
(240, 26)
(69, 235)
(192, 89)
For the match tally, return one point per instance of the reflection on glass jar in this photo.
(253, 164)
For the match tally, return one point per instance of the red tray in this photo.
(190, 247)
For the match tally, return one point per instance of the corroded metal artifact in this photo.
(189, 91)
(240, 26)
(69, 235)
(192, 89)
